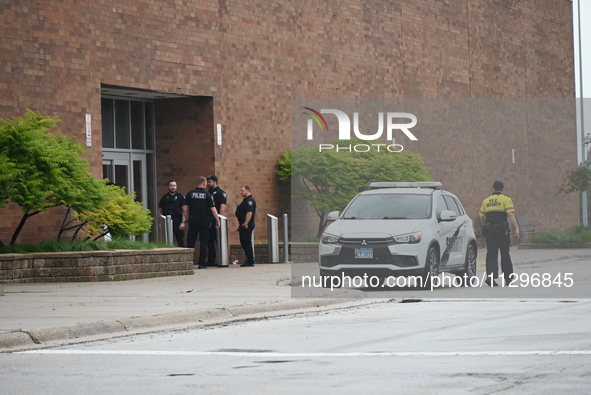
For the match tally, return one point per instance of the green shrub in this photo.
(68, 246)
(576, 234)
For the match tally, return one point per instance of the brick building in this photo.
(153, 79)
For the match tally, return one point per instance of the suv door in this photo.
(450, 234)
(458, 240)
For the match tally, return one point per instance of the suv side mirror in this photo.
(447, 216)
(333, 216)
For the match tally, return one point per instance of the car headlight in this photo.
(327, 238)
(409, 238)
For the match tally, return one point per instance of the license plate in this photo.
(364, 253)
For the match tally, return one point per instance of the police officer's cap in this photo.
(213, 178)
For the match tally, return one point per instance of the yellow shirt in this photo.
(495, 208)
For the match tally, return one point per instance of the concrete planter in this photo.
(95, 265)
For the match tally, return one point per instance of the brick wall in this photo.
(244, 61)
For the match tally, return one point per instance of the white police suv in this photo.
(400, 229)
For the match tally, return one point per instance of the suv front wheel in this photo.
(469, 267)
(431, 268)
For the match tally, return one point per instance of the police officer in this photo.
(199, 211)
(220, 199)
(172, 204)
(498, 211)
(246, 212)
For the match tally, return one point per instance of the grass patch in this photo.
(71, 246)
(307, 239)
(576, 234)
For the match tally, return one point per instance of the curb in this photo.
(45, 337)
(15, 339)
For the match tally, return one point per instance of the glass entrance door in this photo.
(128, 149)
(139, 178)
(116, 168)
(127, 170)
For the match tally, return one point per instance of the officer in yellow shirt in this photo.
(498, 212)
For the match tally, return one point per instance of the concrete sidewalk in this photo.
(38, 315)
(33, 315)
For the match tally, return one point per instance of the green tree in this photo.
(123, 215)
(579, 179)
(331, 179)
(41, 169)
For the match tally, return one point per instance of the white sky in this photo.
(582, 41)
(585, 6)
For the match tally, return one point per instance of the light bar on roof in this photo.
(422, 184)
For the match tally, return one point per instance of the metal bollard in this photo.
(273, 234)
(223, 257)
(285, 239)
(168, 229)
(252, 243)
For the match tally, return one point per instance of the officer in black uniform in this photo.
(220, 199)
(246, 212)
(498, 211)
(172, 204)
(199, 211)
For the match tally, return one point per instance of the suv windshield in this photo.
(389, 206)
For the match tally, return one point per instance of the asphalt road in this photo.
(482, 340)
(435, 346)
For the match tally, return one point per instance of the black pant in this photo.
(246, 242)
(199, 227)
(212, 246)
(498, 238)
(179, 234)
